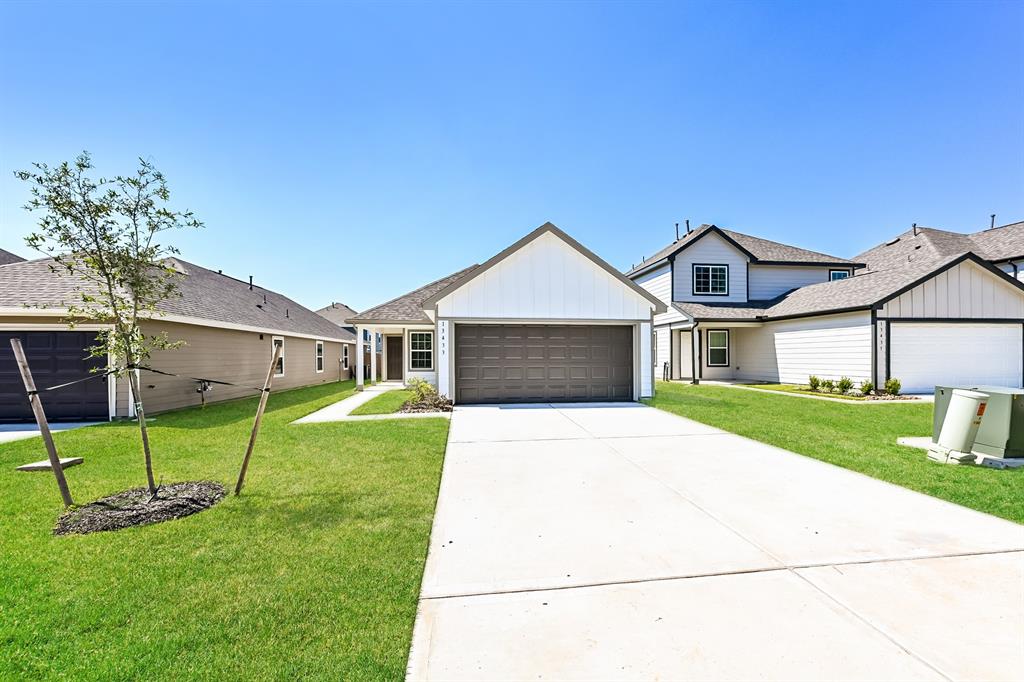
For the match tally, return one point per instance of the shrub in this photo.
(844, 385)
(893, 386)
(425, 398)
(866, 387)
(814, 382)
(827, 385)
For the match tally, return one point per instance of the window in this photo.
(421, 351)
(833, 275)
(319, 357)
(711, 280)
(344, 356)
(718, 348)
(278, 342)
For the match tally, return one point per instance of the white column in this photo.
(373, 356)
(359, 357)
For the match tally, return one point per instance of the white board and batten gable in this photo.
(545, 279)
(965, 290)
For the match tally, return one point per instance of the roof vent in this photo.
(914, 227)
(250, 282)
(677, 231)
(687, 226)
(992, 221)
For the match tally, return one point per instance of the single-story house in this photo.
(338, 313)
(229, 328)
(545, 320)
(928, 308)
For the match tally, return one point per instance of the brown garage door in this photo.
(542, 363)
(54, 358)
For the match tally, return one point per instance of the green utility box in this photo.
(1002, 428)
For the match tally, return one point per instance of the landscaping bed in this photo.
(849, 436)
(804, 390)
(139, 507)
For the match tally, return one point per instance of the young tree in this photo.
(104, 233)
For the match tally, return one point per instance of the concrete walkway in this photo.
(622, 542)
(13, 432)
(340, 411)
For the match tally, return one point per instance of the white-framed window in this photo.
(279, 370)
(319, 357)
(344, 356)
(710, 280)
(718, 348)
(421, 351)
(833, 275)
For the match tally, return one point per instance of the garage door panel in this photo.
(962, 354)
(555, 363)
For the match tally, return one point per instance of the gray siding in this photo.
(712, 250)
(769, 281)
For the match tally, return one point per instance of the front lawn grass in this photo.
(385, 403)
(803, 390)
(857, 437)
(313, 573)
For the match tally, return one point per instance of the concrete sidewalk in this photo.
(12, 432)
(341, 410)
(622, 542)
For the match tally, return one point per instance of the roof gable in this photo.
(546, 229)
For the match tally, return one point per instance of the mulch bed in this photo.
(137, 507)
(438, 405)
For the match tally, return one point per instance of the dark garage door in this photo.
(542, 363)
(54, 358)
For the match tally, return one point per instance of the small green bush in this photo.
(866, 387)
(844, 385)
(828, 385)
(893, 386)
(814, 382)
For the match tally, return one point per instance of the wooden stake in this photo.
(259, 417)
(44, 427)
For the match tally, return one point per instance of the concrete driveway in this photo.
(622, 542)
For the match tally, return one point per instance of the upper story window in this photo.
(421, 351)
(833, 275)
(710, 280)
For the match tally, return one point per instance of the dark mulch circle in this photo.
(137, 507)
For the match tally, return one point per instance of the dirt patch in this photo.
(137, 507)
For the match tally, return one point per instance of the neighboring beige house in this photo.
(338, 313)
(229, 327)
(929, 307)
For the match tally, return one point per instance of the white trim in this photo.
(181, 319)
(412, 350)
(280, 358)
(111, 388)
(43, 326)
(318, 356)
(726, 347)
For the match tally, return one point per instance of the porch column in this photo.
(359, 358)
(373, 356)
(695, 349)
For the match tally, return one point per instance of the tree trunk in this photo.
(133, 380)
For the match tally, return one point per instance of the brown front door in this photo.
(394, 357)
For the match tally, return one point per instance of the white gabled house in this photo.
(545, 320)
(929, 307)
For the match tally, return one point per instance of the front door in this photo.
(394, 358)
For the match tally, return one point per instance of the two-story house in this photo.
(749, 309)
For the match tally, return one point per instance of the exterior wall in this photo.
(227, 355)
(769, 281)
(662, 351)
(545, 279)
(788, 351)
(710, 250)
(646, 356)
(964, 291)
(659, 283)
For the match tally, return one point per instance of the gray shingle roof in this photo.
(6, 258)
(760, 249)
(409, 307)
(205, 294)
(337, 313)
(931, 245)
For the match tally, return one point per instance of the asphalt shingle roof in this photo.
(204, 294)
(6, 258)
(931, 245)
(337, 313)
(762, 249)
(409, 307)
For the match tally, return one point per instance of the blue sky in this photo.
(354, 152)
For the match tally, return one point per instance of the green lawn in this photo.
(857, 437)
(313, 573)
(803, 390)
(385, 403)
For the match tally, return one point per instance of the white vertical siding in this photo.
(546, 279)
(769, 281)
(659, 283)
(963, 291)
(646, 385)
(789, 351)
(710, 250)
